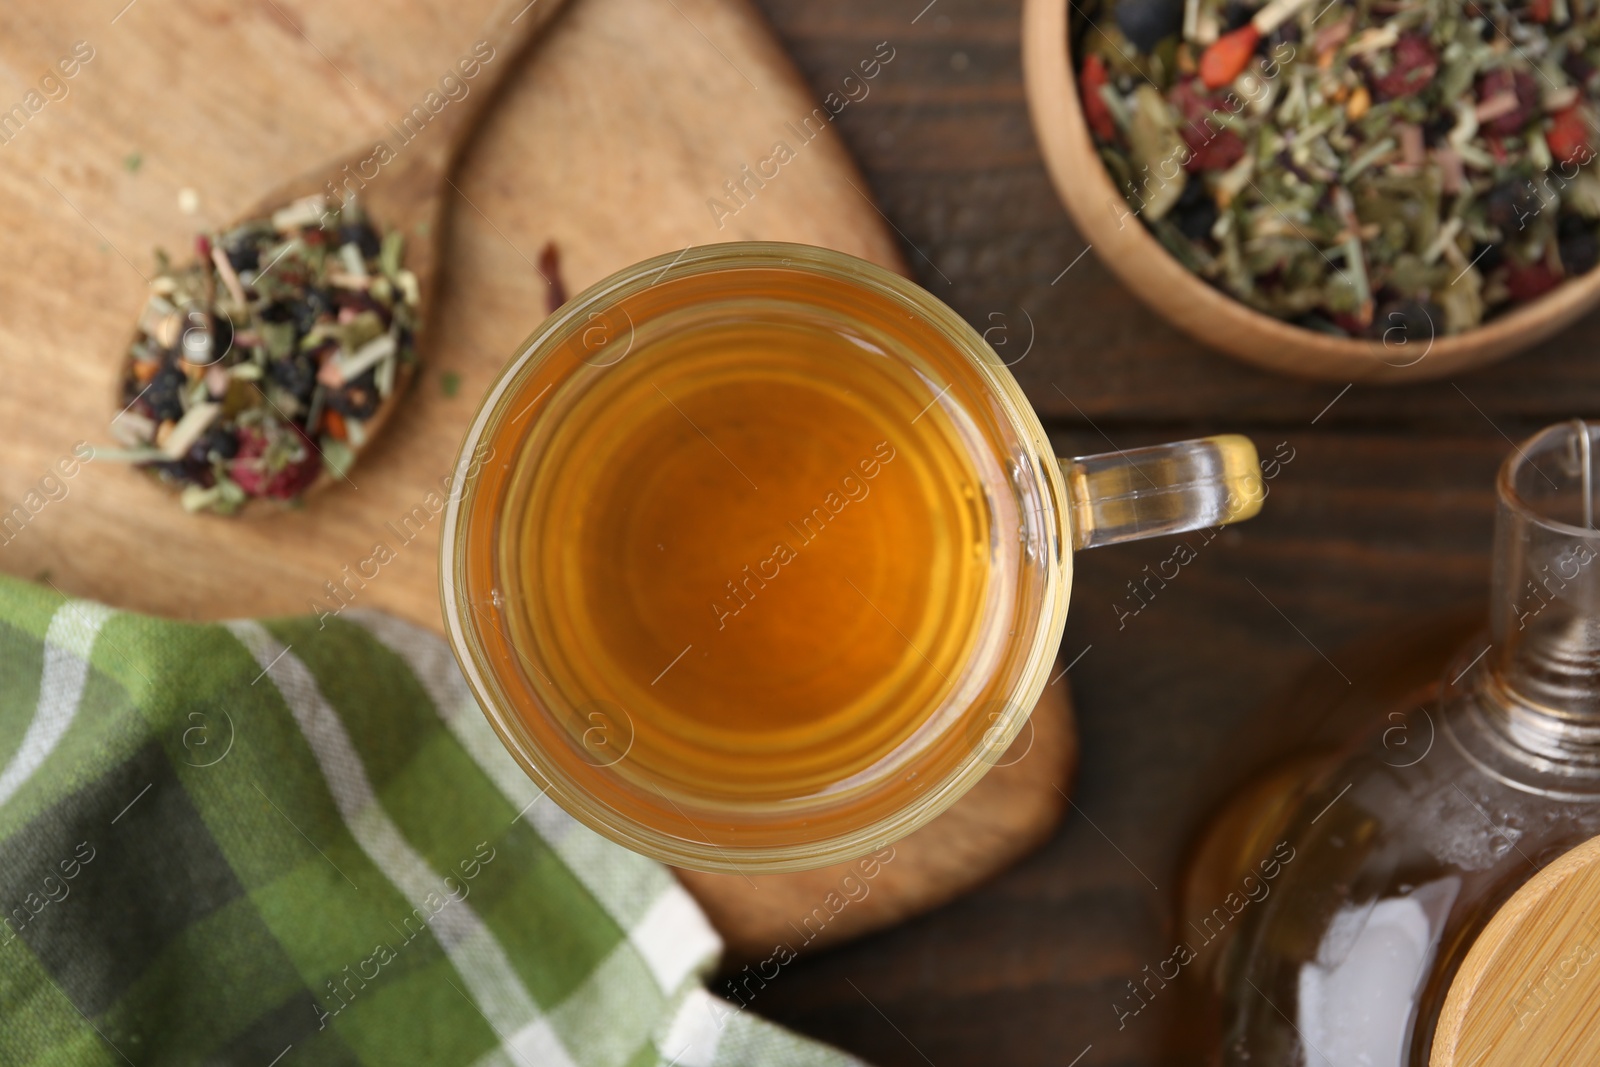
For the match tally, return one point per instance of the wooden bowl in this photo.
(1211, 316)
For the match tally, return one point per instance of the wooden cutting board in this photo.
(611, 142)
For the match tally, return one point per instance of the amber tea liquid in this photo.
(753, 553)
(758, 558)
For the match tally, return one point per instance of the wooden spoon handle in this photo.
(418, 152)
(502, 40)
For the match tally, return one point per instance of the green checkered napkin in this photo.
(279, 843)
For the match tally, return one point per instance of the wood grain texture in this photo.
(1528, 992)
(610, 179)
(609, 140)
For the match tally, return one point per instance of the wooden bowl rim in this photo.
(1133, 254)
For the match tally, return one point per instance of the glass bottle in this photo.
(1345, 892)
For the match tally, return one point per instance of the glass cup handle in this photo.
(1167, 489)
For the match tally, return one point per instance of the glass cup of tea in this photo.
(758, 557)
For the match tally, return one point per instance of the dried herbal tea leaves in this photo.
(1355, 166)
(259, 368)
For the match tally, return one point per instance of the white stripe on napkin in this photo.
(68, 641)
(470, 946)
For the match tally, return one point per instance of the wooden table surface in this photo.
(1384, 511)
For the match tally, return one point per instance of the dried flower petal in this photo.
(1507, 101)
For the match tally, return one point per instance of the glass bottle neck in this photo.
(1538, 688)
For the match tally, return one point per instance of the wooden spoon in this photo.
(401, 185)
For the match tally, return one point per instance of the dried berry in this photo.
(243, 255)
(1415, 65)
(1576, 66)
(186, 471)
(1148, 22)
(1437, 126)
(1212, 146)
(356, 300)
(550, 269)
(297, 375)
(361, 234)
(220, 443)
(1406, 321)
(164, 394)
(1578, 244)
(1568, 137)
(280, 469)
(1512, 96)
(312, 306)
(1487, 257)
(1196, 213)
(357, 399)
(1511, 205)
(1196, 105)
(1218, 152)
(1530, 282)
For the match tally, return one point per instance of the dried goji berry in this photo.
(1227, 57)
(1568, 137)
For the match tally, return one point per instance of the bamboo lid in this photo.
(1528, 993)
